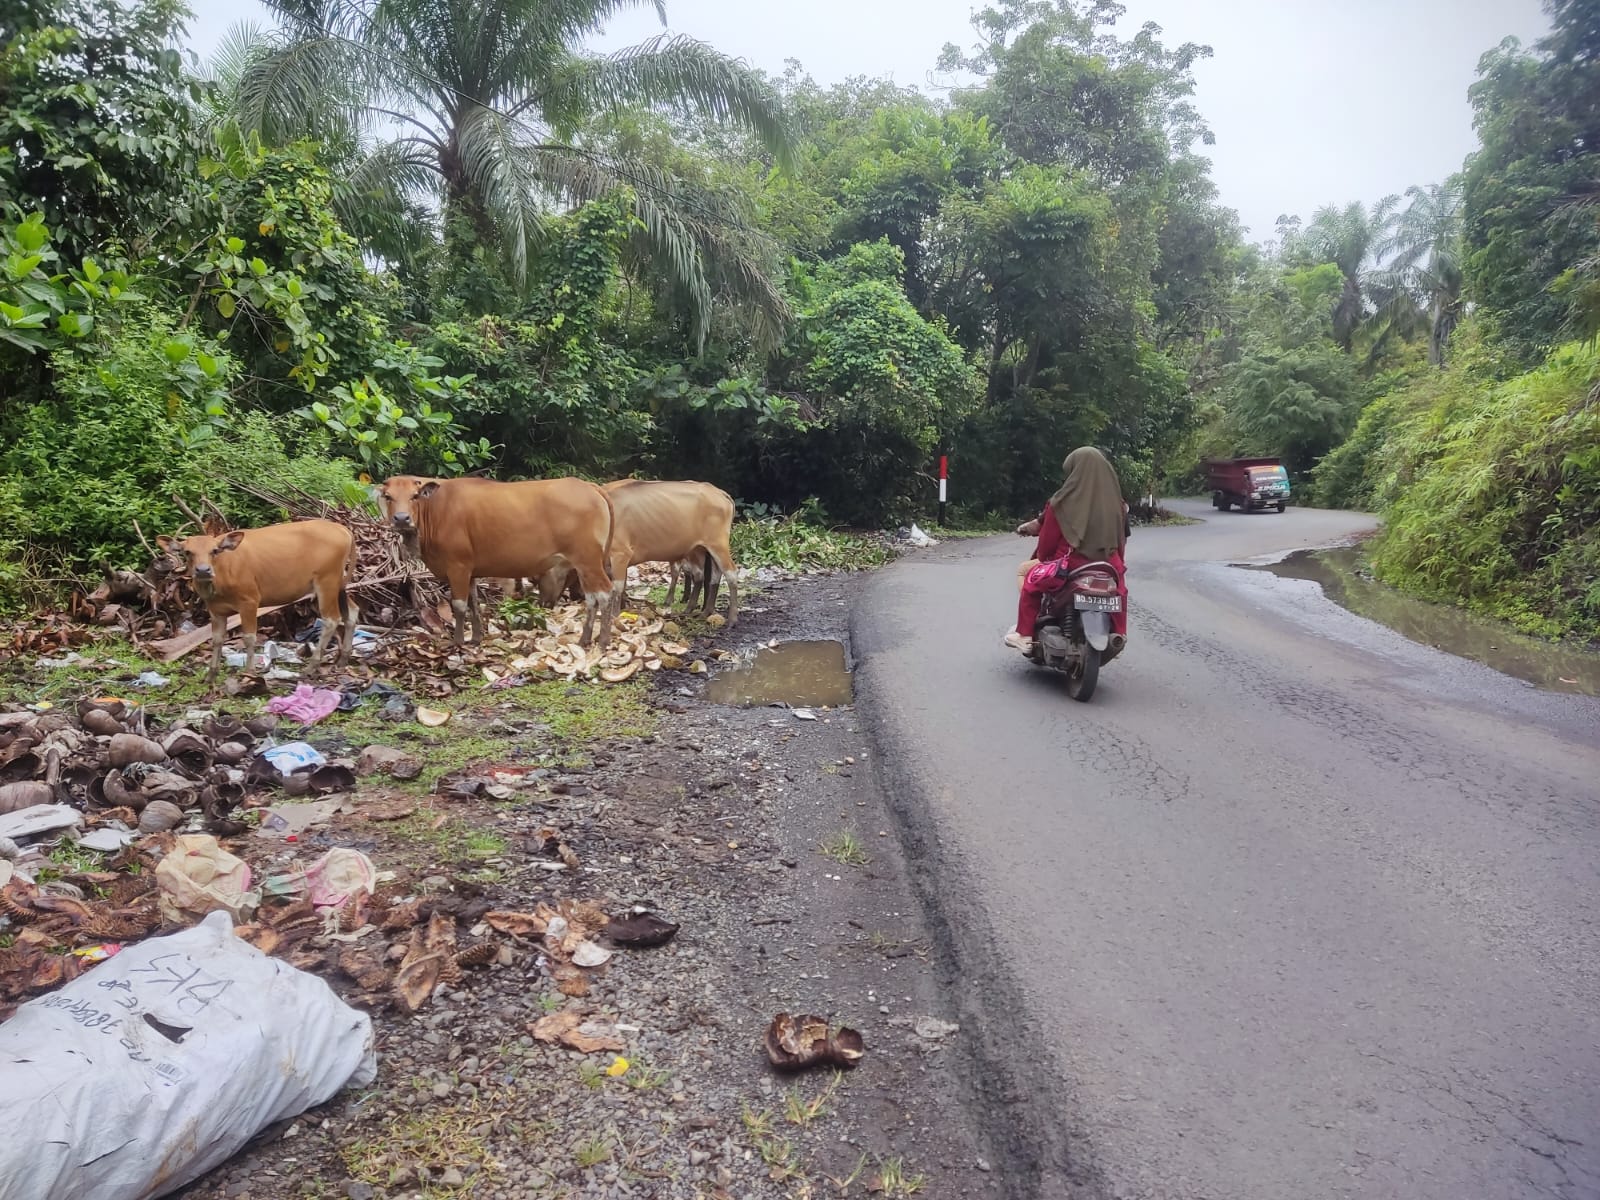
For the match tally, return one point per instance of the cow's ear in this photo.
(231, 542)
(427, 489)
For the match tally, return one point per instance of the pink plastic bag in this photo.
(307, 705)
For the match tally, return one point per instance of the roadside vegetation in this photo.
(340, 251)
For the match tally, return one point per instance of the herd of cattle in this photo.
(570, 536)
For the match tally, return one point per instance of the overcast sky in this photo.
(1312, 102)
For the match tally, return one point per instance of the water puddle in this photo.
(809, 674)
(1560, 668)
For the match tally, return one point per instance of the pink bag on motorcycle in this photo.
(1044, 577)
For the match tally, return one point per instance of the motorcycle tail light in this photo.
(1103, 585)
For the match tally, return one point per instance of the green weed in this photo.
(845, 848)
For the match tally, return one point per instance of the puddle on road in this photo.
(1452, 630)
(810, 674)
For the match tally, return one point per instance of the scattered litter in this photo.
(338, 875)
(619, 1066)
(919, 537)
(804, 714)
(590, 954)
(71, 659)
(291, 820)
(39, 820)
(395, 763)
(568, 1028)
(198, 876)
(432, 717)
(187, 1076)
(640, 929)
(305, 704)
(108, 839)
(796, 1042)
(151, 680)
(928, 1029)
(292, 757)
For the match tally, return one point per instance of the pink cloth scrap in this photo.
(307, 705)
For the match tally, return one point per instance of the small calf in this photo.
(250, 569)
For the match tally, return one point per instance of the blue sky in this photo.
(1312, 102)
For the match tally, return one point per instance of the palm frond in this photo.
(508, 174)
(290, 89)
(673, 70)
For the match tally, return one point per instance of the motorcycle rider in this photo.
(1085, 521)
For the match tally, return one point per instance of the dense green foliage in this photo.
(445, 237)
(1493, 493)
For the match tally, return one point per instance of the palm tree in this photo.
(1424, 258)
(477, 106)
(1349, 238)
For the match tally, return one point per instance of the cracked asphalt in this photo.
(1292, 908)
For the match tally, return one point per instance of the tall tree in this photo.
(480, 105)
(1423, 256)
(1349, 238)
(1531, 243)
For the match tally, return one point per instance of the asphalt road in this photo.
(1293, 908)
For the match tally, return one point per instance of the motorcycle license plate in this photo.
(1098, 603)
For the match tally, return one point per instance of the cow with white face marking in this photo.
(467, 529)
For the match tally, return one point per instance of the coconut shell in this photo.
(99, 721)
(159, 816)
(16, 796)
(129, 748)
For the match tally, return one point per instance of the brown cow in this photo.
(700, 576)
(665, 521)
(469, 528)
(250, 569)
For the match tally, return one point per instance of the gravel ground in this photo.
(717, 820)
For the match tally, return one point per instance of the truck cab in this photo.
(1250, 483)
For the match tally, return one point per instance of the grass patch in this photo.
(585, 712)
(799, 1111)
(893, 1179)
(593, 1152)
(115, 664)
(844, 848)
(453, 841)
(434, 1138)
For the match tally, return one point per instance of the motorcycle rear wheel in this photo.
(1080, 683)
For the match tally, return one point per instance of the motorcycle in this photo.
(1073, 634)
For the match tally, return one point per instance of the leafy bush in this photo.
(253, 452)
(794, 544)
(888, 384)
(1493, 493)
(106, 447)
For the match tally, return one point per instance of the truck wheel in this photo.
(1282, 506)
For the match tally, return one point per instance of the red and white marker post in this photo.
(944, 481)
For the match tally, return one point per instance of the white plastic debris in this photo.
(38, 820)
(919, 536)
(160, 1063)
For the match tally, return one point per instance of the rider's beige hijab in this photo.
(1088, 505)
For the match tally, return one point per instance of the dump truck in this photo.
(1251, 483)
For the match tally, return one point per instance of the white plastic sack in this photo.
(158, 1064)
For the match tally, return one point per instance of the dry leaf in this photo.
(519, 923)
(569, 1029)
